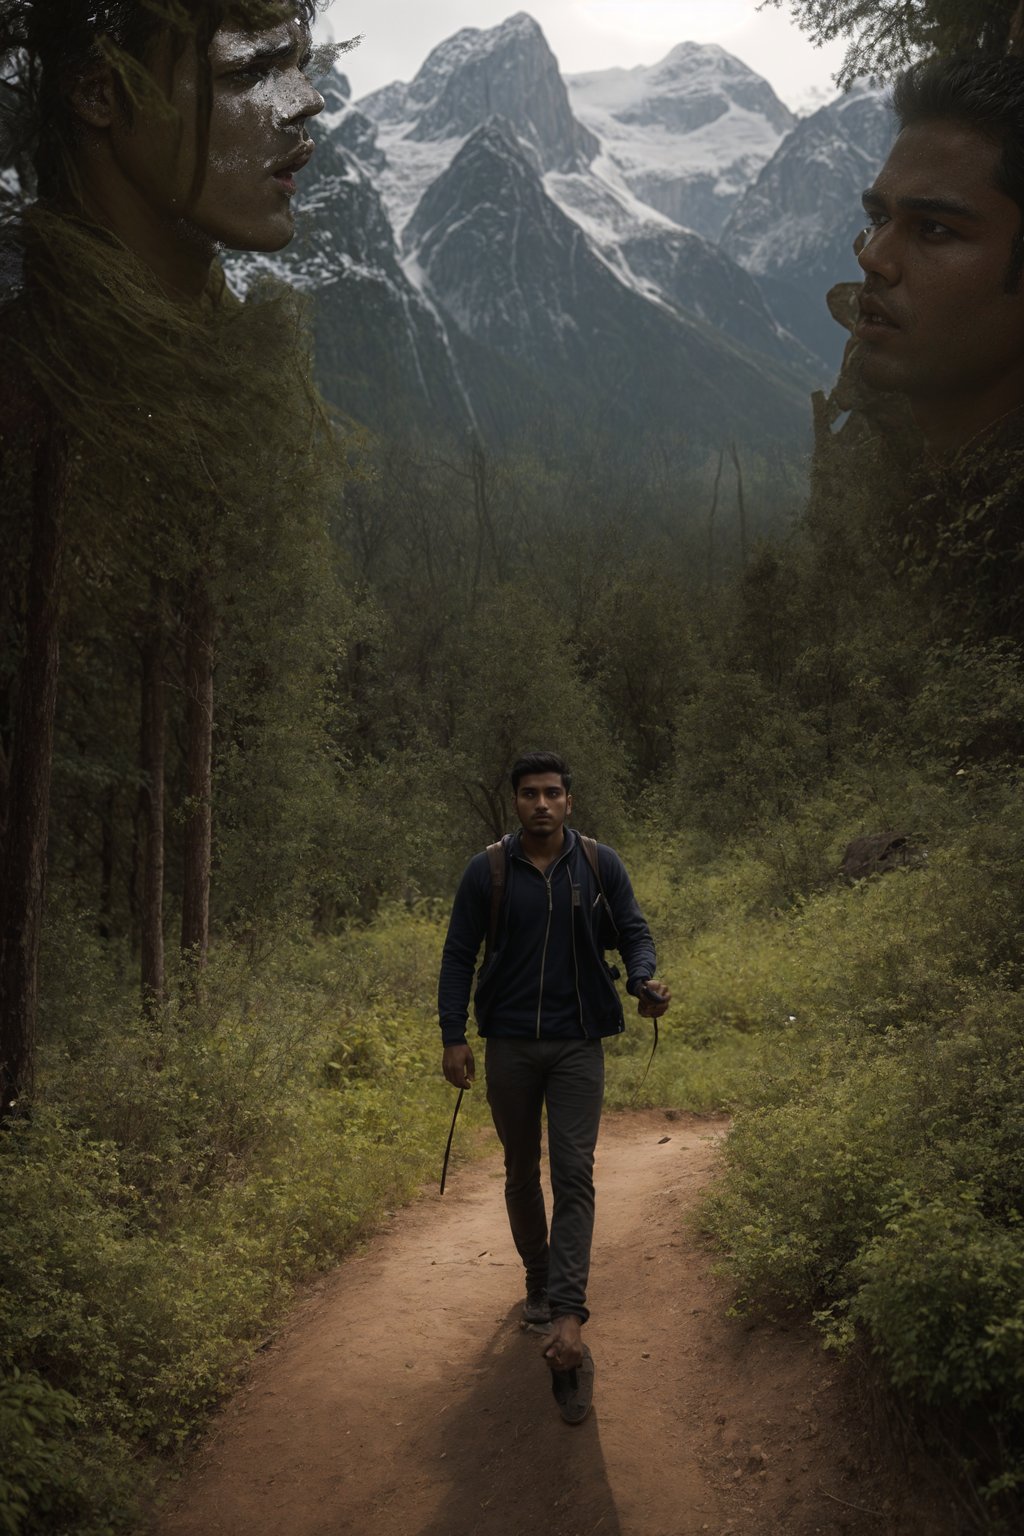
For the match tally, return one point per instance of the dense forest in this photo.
(279, 734)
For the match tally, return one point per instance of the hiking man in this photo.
(544, 1002)
(942, 303)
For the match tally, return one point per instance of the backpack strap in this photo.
(498, 862)
(589, 846)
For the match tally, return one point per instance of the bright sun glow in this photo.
(668, 21)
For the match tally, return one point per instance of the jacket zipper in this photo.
(547, 934)
(544, 953)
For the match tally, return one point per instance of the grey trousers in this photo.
(566, 1076)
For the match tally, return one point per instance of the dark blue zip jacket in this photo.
(546, 976)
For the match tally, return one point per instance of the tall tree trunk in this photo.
(1015, 32)
(104, 925)
(28, 806)
(152, 748)
(195, 908)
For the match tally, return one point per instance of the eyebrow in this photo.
(297, 40)
(873, 200)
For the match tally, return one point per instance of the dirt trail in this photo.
(404, 1397)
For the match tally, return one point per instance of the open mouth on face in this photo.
(285, 171)
(874, 320)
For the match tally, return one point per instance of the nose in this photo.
(305, 102)
(876, 251)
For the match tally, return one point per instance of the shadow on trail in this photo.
(514, 1468)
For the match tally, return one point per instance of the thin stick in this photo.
(451, 1133)
(877, 1513)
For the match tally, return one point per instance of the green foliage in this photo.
(180, 1175)
(56, 1475)
(885, 35)
(875, 1172)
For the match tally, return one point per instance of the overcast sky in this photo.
(589, 34)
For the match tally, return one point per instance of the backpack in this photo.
(497, 858)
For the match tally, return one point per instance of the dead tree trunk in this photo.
(711, 520)
(199, 639)
(741, 505)
(31, 761)
(152, 748)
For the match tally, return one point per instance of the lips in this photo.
(874, 317)
(286, 167)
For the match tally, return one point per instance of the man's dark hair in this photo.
(47, 46)
(986, 94)
(540, 762)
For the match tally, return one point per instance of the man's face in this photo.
(260, 102)
(542, 804)
(936, 321)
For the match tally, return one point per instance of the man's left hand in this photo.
(653, 1000)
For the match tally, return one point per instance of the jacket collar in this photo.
(515, 844)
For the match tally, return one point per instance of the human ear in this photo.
(94, 97)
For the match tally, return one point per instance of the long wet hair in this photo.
(48, 46)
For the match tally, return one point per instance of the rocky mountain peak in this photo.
(689, 57)
(794, 225)
(507, 70)
(693, 85)
(345, 125)
(491, 167)
(336, 91)
(689, 133)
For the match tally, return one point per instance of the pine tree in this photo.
(886, 35)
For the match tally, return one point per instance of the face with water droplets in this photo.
(257, 144)
(262, 100)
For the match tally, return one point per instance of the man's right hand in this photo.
(458, 1066)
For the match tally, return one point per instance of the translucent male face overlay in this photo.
(938, 320)
(257, 141)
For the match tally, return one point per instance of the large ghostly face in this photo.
(256, 143)
(939, 320)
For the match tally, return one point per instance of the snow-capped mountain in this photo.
(382, 351)
(794, 226)
(508, 71)
(517, 276)
(689, 134)
(645, 248)
(485, 248)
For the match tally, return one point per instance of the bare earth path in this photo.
(404, 1397)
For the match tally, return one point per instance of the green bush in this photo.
(179, 1176)
(55, 1476)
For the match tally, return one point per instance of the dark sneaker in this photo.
(574, 1390)
(535, 1308)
